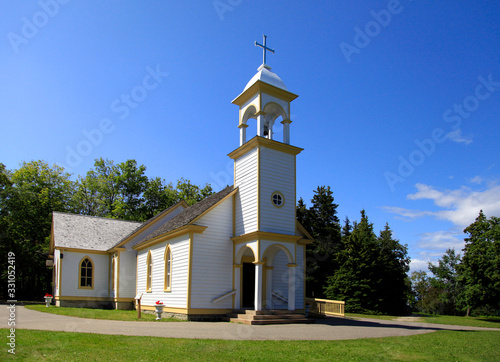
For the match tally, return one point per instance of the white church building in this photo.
(240, 248)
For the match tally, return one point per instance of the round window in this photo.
(278, 199)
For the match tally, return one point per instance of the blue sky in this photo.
(398, 108)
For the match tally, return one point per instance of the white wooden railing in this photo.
(326, 306)
(218, 299)
(284, 299)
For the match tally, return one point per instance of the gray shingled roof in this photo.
(145, 223)
(89, 232)
(188, 215)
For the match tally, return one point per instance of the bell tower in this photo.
(265, 167)
(268, 252)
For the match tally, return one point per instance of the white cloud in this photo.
(463, 204)
(476, 180)
(406, 213)
(456, 136)
(441, 240)
(419, 264)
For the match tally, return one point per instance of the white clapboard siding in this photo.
(177, 297)
(128, 262)
(246, 200)
(71, 275)
(280, 279)
(277, 173)
(113, 280)
(212, 259)
(299, 278)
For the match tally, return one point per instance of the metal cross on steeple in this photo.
(264, 48)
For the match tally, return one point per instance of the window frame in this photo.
(92, 272)
(149, 272)
(279, 194)
(167, 278)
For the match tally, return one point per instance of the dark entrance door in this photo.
(248, 283)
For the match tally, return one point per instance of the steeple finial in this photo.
(264, 49)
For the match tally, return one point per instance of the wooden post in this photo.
(138, 298)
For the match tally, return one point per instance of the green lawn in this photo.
(488, 322)
(441, 345)
(112, 314)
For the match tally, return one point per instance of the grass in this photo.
(372, 316)
(441, 345)
(487, 322)
(111, 314)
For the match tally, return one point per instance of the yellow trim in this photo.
(170, 235)
(180, 203)
(84, 251)
(91, 275)
(188, 310)
(96, 299)
(247, 259)
(269, 267)
(190, 270)
(237, 266)
(261, 87)
(258, 141)
(149, 272)
(214, 206)
(167, 277)
(264, 235)
(304, 242)
(284, 249)
(303, 231)
(292, 265)
(259, 262)
(258, 188)
(282, 199)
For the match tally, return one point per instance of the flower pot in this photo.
(159, 311)
(48, 300)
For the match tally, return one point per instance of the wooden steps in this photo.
(263, 317)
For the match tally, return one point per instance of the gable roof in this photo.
(151, 221)
(88, 232)
(190, 214)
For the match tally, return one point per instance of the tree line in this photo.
(467, 283)
(350, 262)
(30, 194)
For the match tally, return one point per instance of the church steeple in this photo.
(265, 98)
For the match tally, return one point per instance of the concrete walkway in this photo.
(326, 329)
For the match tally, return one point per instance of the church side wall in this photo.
(71, 275)
(177, 297)
(212, 264)
(128, 261)
(277, 174)
(246, 198)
